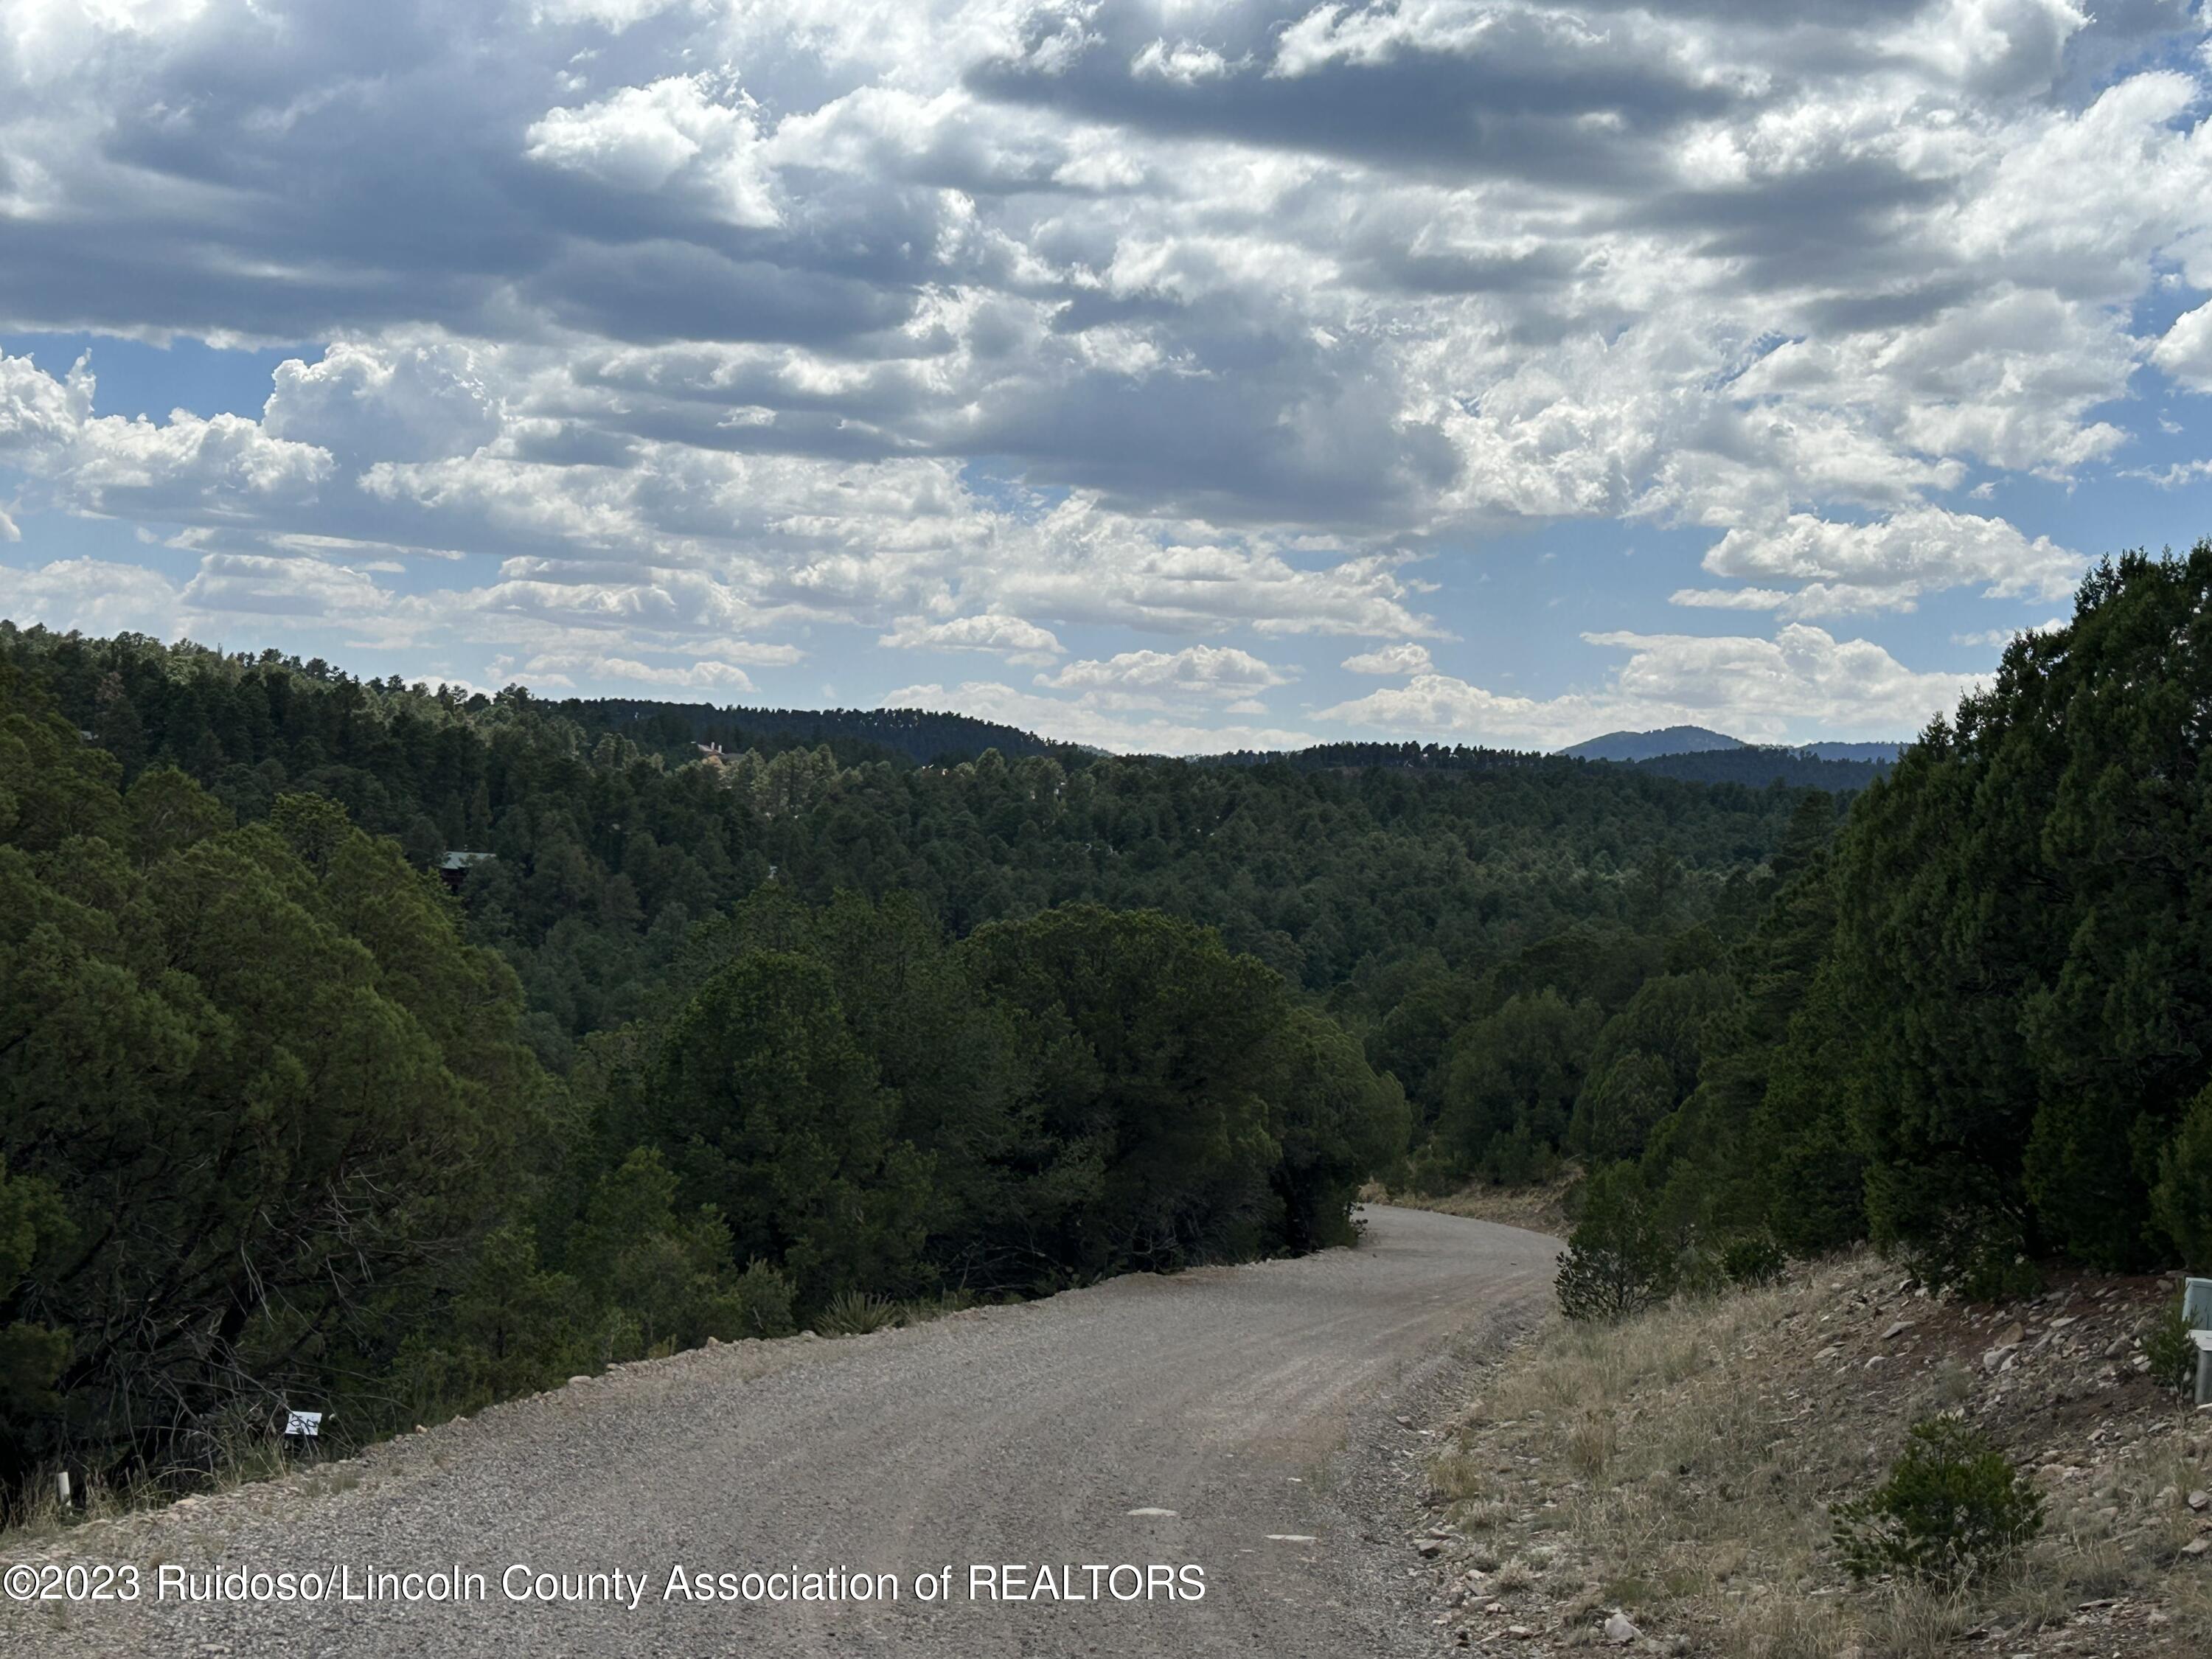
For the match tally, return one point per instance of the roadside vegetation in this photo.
(1964, 1042)
(1970, 1030)
(1687, 1469)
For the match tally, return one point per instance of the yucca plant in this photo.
(855, 1312)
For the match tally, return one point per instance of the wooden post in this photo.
(62, 1486)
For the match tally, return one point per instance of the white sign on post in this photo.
(2197, 1304)
(309, 1423)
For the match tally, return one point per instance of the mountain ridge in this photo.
(1626, 745)
(1670, 741)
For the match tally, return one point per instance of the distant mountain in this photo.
(1697, 755)
(1649, 745)
(1678, 741)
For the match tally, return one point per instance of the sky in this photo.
(1171, 375)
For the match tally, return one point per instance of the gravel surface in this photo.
(1262, 1423)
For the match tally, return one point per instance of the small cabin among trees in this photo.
(453, 868)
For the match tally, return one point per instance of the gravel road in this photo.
(1242, 1420)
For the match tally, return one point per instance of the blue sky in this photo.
(1168, 375)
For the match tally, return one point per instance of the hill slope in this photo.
(1649, 745)
(1882, 753)
(1756, 768)
(916, 734)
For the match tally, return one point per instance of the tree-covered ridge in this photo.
(1403, 757)
(712, 1040)
(924, 736)
(170, 726)
(1758, 766)
(610, 845)
(1754, 766)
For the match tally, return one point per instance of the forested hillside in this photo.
(1754, 766)
(918, 735)
(1758, 766)
(713, 1044)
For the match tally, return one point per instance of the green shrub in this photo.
(1621, 1258)
(1999, 1272)
(1952, 1508)
(1749, 1262)
(1974, 1244)
(2183, 1199)
(760, 1297)
(2171, 1351)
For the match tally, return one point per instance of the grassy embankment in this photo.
(1679, 1469)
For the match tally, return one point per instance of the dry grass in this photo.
(39, 1515)
(1680, 1466)
(246, 1456)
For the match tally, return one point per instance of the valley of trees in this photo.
(711, 1047)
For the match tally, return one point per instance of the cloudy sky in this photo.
(1160, 374)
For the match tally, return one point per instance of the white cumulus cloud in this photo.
(1204, 671)
(1407, 659)
(646, 138)
(1010, 637)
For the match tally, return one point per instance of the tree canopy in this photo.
(1976, 1031)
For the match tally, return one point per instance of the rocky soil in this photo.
(1663, 1488)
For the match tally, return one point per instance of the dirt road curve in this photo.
(1250, 1401)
